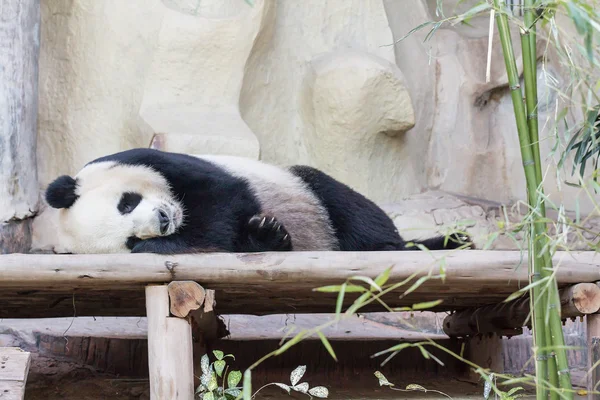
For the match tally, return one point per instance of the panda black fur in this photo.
(149, 201)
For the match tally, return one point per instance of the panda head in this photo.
(107, 203)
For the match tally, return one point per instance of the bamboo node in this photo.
(532, 116)
(528, 163)
(542, 358)
(515, 87)
(564, 372)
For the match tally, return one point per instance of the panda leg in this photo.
(266, 233)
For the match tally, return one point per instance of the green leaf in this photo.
(340, 301)
(329, 289)
(424, 352)
(212, 384)
(368, 281)
(247, 391)
(358, 303)
(327, 345)
(427, 304)
(208, 396)
(233, 378)
(220, 367)
(384, 276)
(218, 354)
(392, 349)
(235, 392)
(296, 339)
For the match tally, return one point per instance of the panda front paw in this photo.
(266, 233)
(459, 240)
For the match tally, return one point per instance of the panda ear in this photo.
(61, 192)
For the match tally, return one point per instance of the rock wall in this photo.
(318, 82)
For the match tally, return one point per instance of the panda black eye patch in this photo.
(129, 201)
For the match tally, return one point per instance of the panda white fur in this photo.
(149, 201)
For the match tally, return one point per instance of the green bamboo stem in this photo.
(530, 176)
(551, 299)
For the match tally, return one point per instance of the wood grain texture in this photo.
(19, 55)
(508, 318)
(170, 358)
(15, 236)
(14, 368)
(265, 283)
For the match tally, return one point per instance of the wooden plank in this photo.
(170, 358)
(508, 318)
(264, 283)
(14, 368)
(19, 54)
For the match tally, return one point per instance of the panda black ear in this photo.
(61, 192)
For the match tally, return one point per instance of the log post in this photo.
(508, 318)
(170, 358)
(593, 354)
(19, 54)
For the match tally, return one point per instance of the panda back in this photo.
(286, 197)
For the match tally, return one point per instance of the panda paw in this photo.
(457, 240)
(268, 234)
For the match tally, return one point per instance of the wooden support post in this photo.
(593, 354)
(19, 54)
(14, 368)
(486, 352)
(508, 318)
(170, 357)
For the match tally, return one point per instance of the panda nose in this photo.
(163, 220)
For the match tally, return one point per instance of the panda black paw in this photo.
(459, 240)
(266, 233)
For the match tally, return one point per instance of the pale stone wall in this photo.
(286, 81)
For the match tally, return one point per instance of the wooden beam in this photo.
(19, 54)
(170, 358)
(14, 368)
(266, 283)
(508, 318)
(185, 296)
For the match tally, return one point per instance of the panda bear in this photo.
(150, 201)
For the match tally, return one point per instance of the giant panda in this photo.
(151, 201)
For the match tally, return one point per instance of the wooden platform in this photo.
(265, 283)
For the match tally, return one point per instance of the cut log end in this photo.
(185, 296)
(582, 298)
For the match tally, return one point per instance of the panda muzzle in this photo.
(164, 221)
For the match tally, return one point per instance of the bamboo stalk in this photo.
(559, 358)
(541, 363)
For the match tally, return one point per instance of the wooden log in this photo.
(184, 297)
(39, 285)
(19, 54)
(170, 357)
(593, 354)
(14, 368)
(508, 318)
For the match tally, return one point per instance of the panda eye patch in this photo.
(129, 201)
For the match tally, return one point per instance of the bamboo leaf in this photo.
(384, 276)
(327, 345)
(427, 304)
(367, 280)
(296, 339)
